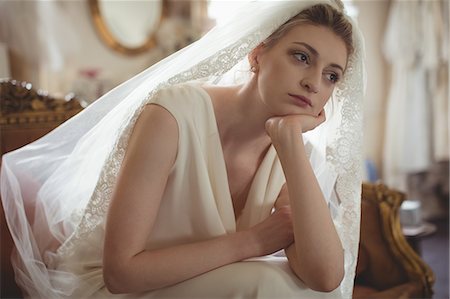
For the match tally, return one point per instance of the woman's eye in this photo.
(301, 57)
(333, 77)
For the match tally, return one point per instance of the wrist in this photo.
(289, 142)
(249, 245)
(283, 129)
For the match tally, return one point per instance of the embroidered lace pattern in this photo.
(346, 156)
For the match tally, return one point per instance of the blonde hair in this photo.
(323, 15)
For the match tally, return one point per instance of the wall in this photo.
(372, 18)
(52, 42)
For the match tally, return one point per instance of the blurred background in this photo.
(86, 47)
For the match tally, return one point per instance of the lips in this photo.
(301, 100)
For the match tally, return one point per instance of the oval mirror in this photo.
(128, 26)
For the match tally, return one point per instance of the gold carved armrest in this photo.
(27, 114)
(388, 267)
(20, 104)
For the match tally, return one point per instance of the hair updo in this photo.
(323, 15)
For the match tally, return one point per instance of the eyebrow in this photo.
(315, 53)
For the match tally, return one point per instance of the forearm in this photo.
(316, 255)
(156, 269)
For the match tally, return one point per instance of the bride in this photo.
(185, 180)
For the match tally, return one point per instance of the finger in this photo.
(322, 116)
(270, 122)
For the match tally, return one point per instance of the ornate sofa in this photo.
(387, 266)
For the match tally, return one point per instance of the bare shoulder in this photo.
(156, 119)
(156, 114)
(154, 134)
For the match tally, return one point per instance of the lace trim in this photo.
(346, 156)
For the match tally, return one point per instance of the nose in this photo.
(311, 82)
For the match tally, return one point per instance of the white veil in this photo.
(56, 190)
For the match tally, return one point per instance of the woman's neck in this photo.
(240, 115)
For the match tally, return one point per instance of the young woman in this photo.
(190, 189)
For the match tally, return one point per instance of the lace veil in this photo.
(56, 190)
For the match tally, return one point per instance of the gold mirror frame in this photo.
(107, 36)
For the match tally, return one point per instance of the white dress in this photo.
(196, 206)
(417, 106)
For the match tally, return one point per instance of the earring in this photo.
(253, 69)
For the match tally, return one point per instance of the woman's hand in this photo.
(282, 126)
(275, 232)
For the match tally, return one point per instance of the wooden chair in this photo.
(387, 266)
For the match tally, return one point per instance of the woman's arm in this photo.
(316, 255)
(128, 267)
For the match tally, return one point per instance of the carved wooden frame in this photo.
(21, 106)
(107, 37)
(389, 202)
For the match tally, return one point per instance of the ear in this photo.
(254, 55)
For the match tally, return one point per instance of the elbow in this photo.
(326, 285)
(114, 280)
(112, 283)
(320, 279)
(326, 281)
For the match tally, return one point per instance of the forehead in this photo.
(329, 46)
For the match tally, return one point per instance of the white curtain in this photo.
(416, 46)
(41, 37)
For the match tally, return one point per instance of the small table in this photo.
(414, 234)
